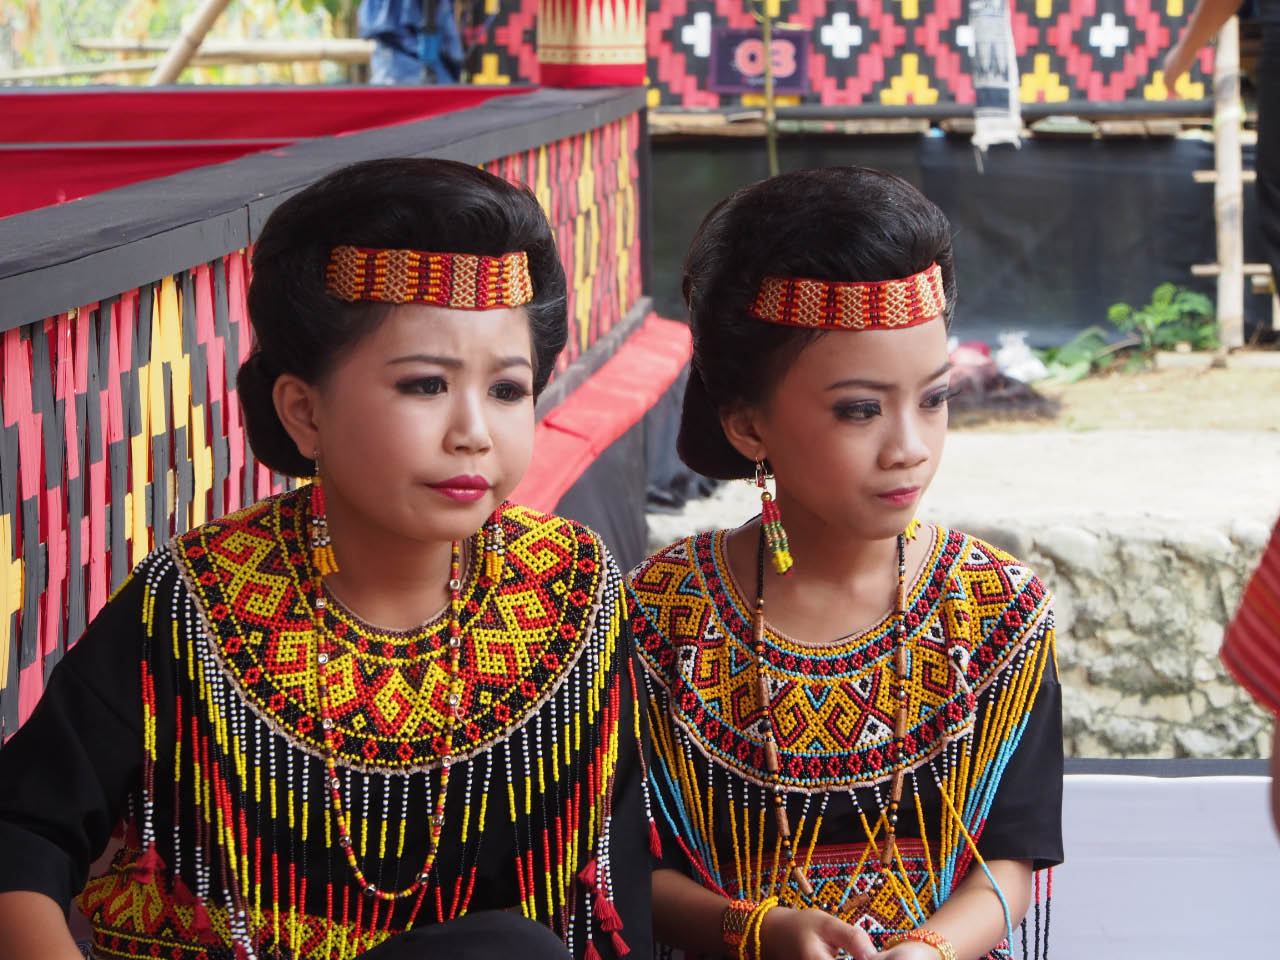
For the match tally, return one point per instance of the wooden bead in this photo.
(771, 756)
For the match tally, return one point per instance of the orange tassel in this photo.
(494, 554)
(322, 555)
(775, 537)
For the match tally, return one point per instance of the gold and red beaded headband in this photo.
(462, 281)
(878, 305)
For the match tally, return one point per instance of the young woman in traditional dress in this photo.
(856, 718)
(388, 701)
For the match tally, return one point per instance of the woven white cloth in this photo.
(997, 114)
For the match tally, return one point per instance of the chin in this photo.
(879, 528)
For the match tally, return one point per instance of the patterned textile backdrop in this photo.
(120, 426)
(884, 51)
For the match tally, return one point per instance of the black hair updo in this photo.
(835, 224)
(404, 203)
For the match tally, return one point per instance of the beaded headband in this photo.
(878, 305)
(462, 281)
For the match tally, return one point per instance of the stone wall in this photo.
(1142, 602)
(1140, 615)
(1146, 537)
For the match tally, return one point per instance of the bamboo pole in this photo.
(770, 104)
(1228, 192)
(341, 50)
(149, 64)
(23, 74)
(188, 43)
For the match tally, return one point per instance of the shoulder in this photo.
(984, 574)
(528, 533)
(673, 595)
(275, 518)
(526, 521)
(993, 602)
(1251, 647)
(675, 556)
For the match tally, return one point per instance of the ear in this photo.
(295, 402)
(740, 428)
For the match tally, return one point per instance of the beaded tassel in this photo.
(901, 674)
(494, 549)
(771, 524)
(322, 557)
(341, 817)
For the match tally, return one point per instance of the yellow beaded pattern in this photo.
(265, 720)
(979, 637)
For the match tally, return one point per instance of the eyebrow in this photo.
(453, 363)
(881, 385)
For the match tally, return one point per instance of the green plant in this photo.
(1078, 357)
(1174, 315)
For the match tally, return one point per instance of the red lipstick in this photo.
(901, 497)
(462, 488)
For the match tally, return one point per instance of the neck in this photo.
(828, 555)
(384, 578)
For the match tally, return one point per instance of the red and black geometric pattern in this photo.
(894, 51)
(833, 710)
(389, 691)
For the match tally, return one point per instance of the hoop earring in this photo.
(771, 522)
(322, 557)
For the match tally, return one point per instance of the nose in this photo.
(905, 445)
(468, 430)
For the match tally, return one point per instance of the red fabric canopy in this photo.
(59, 145)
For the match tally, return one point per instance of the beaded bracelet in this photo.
(932, 938)
(749, 947)
(736, 917)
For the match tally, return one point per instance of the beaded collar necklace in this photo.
(900, 673)
(327, 723)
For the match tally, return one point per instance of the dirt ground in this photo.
(1184, 393)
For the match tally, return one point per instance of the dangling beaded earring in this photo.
(771, 522)
(912, 528)
(494, 547)
(322, 557)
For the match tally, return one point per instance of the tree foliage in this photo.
(36, 33)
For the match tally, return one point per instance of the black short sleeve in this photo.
(65, 776)
(1025, 821)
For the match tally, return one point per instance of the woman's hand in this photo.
(787, 934)
(909, 951)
